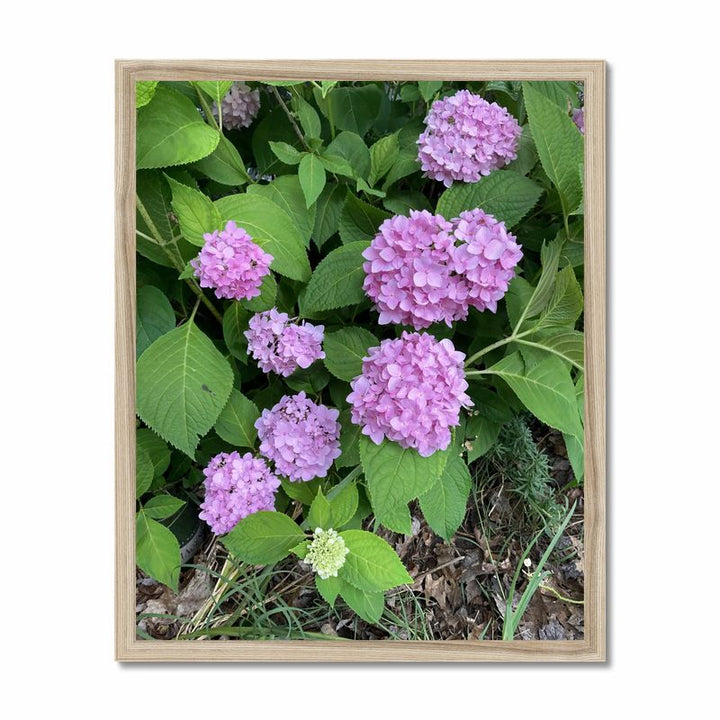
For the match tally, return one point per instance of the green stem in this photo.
(495, 345)
(177, 261)
(290, 117)
(208, 111)
(550, 350)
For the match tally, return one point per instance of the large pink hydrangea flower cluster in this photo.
(231, 263)
(235, 487)
(410, 391)
(300, 436)
(280, 345)
(424, 269)
(239, 106)
(466, 137)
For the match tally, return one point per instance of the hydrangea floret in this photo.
(423, 269)
(231, 263)
(239, 106)
(301, 437)
(578, 116)
(466, 137)
(326, 553)
(236, 486)
(282, 345)
(410, 391)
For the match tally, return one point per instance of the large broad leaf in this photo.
(396, 475)
(337, 280)
(506, 195)
(156, 448)
(236, 422)
(368, 605)
(353, 108)
(215, 89)
(263, 537)
(312, 178)
(566, 302)
(144, 471)
(359, 221)
(349, 436)
(162, 506)
(154, 317)
(235, 323)
(371, 563)
(444, 505)
(224, 165)
(343, 506)
(329, 207)
(157, 551)
(345, 350)
(352, 148)
(567, 345)
(183, 382)
(545, 388)
(195, 212)
(170, 131)
(285, 191)
(329, 588)
(272, 229)
(383, 155)
(559, 145)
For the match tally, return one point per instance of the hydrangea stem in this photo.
(494, 346)
(290, 118)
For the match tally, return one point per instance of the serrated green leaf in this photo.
(428, 88)
(568, 346)
(285, 191)
(263, 537)
(156, 448)
(371, 564)
(144, 92)
(287, 153)
(401, 202)
(215, 89)
(301, 549)
(144, 471)
(183, 382)
(235, 323)
(329, 588)
(481, 435)
(506, 195)
(272, 229)
(308, 117)
(157, 551)
(312, 178)
(329, 207)
(195, 212)
(337, 165)
(154, 317)
(368, 605)
(345, 350)
(162, 506)
(396, 475)
(352, 148)
(383, 155)
(444, 505)
(343, 506)
(319, 514)
(349, 435)
(266, 299)
(236, 422)
(406, 164)
(310, 380)
(170, 131)
(274, 127)
(566, 302)
(354, 108)
(224, 165)
(337, 280)
(527, 156)
(359, 221)
(303, 492)
(558, 143)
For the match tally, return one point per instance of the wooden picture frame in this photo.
(593, 647)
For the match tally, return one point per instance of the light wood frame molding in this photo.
(593, 647)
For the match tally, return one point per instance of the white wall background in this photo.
(56, 171)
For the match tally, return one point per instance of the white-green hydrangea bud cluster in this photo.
(326, 553)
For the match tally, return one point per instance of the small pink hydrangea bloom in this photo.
(301, 437)
(466, 137)
(578, 116)
(280, 345)
(231, 263)
(236, 486)
(239, 106)
(410, 391)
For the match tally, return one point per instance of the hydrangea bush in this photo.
(344, 291)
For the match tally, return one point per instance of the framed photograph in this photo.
(360, 361)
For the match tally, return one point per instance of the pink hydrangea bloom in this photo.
(301, 437)
(423, 269)
(239, 106)
(236, 486)
(466, 137)
(578, 116)
(231, 263)
(410, 391)
(280, 345)
(484, 259)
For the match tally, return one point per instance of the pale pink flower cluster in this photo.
(239, 106)
(410, 391)
(424, 269)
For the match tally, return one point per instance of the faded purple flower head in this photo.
(231, 263)
(410, 391)
(280, 345)
(236, 486)
(466, 137)
(423, 269)
(239, 106)
(485, 258)
(578, 116)
(301, 437)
